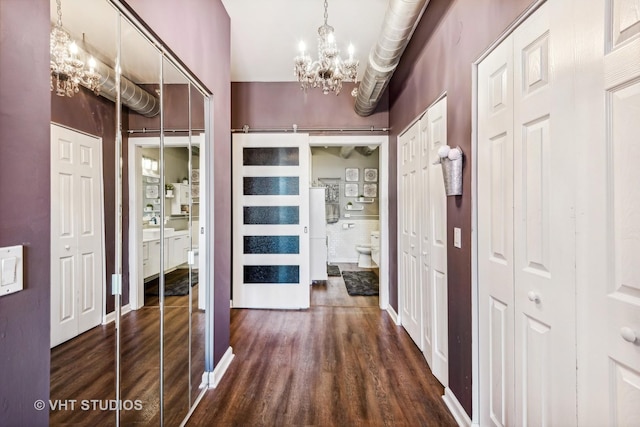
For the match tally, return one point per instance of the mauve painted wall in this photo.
(25, 111)
(439, 58)
(198, 32)
(282, 104)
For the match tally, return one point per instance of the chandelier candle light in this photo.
(67, 70)
(329, 70)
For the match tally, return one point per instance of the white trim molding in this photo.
(212, 379)
(393, 314)
(456, 408)
(111, 317)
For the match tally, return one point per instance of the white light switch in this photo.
(10, 270)
(457, 237)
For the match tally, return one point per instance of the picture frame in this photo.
(151, 192)
(371, 175)
(195, 175)
(351, 190)
(370, 190)
(351, 174)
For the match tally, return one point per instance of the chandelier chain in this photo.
(59, 6)
(326, 13)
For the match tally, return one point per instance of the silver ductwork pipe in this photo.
(400, 21)
(131, 96)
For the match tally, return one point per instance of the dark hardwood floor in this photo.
(343, 362)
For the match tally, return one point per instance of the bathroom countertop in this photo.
(169, 234)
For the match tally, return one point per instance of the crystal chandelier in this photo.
(329, 70)
(67, 69)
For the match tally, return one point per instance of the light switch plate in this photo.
(11, 263)
(457, 237)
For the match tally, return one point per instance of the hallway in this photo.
(343, 362)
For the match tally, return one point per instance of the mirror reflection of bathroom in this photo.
(345, 220)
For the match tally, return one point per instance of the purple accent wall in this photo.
(25, 110)
(198, 32)
(281, 104)
(449, 38)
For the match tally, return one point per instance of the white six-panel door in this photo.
(526, 231)
(409, 214)
(433, 243)
(77, 266)
(271, 221)
(608, 213)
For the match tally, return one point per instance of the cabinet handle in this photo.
(628, 334)
(533, 297)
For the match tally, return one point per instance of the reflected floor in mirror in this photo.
(82, 369)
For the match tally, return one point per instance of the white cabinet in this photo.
(176, 248)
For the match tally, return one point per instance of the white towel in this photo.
(332, 213)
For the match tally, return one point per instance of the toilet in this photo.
(364, 256)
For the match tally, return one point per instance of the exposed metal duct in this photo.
(400, 21)
(346, 151)
(132, 95)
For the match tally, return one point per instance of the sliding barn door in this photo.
(271, 221)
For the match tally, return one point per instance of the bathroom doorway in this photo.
(353, 171)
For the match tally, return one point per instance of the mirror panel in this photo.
(140, 339)
(177, 149)
(83, 353)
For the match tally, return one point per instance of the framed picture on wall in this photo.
(351, 190)
(351, 174)
(370, 190)
(370, 175)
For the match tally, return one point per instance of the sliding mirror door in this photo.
(84, 216)
(177, 283)
(144, 235)
(198, 267)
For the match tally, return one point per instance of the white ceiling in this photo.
(265, 33)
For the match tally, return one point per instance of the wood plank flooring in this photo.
(343, 362)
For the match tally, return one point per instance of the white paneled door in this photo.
(433, 241)
(409, 214)
(609, 214)
(423, 238)
(77, 230)
(526, 231)
(271, 221)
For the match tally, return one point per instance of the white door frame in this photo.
(102, 219)
(136, 293)
(381, 141)
(475, 331)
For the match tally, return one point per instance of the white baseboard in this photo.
(344, 261)
(212, 379)
(393, 314)
(111, 317)
(456, 408)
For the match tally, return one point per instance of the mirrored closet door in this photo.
(143, 361)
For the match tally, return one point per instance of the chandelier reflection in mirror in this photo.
(329, 70)
(68, 70)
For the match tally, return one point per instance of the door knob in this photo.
(533, 297)
(67, 247)
(425, 253)
(628, 334)
(413, 246)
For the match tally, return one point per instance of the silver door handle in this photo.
(533, 297)
(628, 334)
